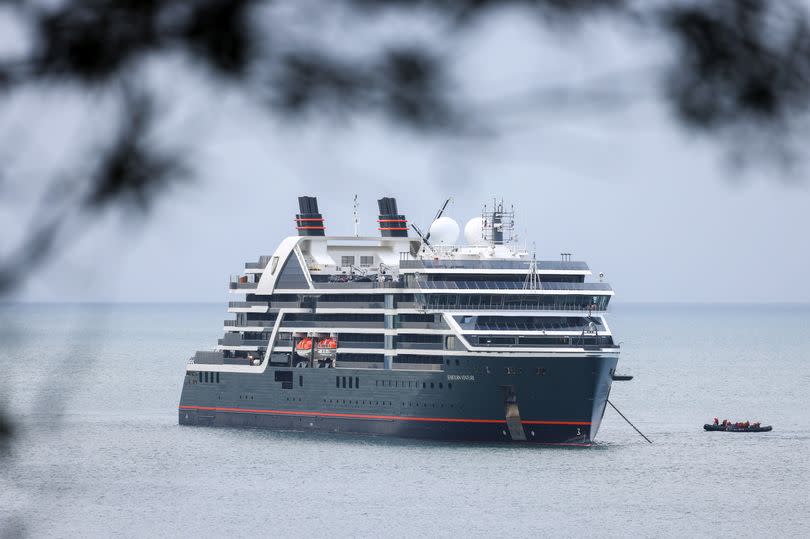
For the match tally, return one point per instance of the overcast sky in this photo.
(621, 187)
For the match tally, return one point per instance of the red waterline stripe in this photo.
(310, 228)
(392, 220)
(390, 228)
(369, 416)
(309, 218)
(582, 423)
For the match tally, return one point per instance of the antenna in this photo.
(532, 281)
(355, 215)
(499, 224)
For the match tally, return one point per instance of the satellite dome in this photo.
(474, 231)
(444, 231)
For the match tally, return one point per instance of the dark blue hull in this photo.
(535, 400)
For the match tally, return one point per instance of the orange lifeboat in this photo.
(327, 347)
(304, 347)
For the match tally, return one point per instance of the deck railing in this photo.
(510, 285)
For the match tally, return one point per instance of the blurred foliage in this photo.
(741, 61)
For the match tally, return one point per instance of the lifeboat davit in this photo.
(327, 347)
(304, 347)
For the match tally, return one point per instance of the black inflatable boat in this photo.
(732, 428)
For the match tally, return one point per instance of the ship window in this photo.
(300, 381)
(347, 260)
(199, 376)
(337, 381)
(217, 377)
(424, 385)
(456, 362)
(440, 385)
(450, 385)
(431, 385)
(366, 261)
(350, 382)
(344, 382)
(356, 382)
(206, 377)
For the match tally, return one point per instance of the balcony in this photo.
(422, 325)
(360, 344)
(242, 286)
(244, 282)
(247, 306)
(493, 264)
(326, 304)
(260, 265)
(419, 345)
(235, 339)
(357, 285)
(323, 324)
(452, 303)
(268, 324)
(511, 285)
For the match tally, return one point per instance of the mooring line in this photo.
(628, 421)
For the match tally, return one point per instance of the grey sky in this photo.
(622, 188)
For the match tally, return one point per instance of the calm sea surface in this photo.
(93, 392)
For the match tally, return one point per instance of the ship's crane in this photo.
(422, 237)
(426, 237)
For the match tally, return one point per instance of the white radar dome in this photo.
(474, 231)
(444, 231)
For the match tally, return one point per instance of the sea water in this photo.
(92, 391)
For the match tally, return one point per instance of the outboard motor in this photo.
(392, 224)
(309, 222)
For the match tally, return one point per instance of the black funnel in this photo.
(309, 222)
(392, 224)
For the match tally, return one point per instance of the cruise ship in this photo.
(410, 334)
